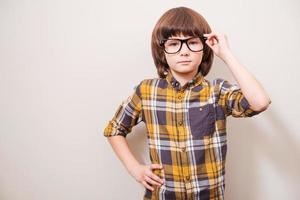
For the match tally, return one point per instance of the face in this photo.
(185, 54)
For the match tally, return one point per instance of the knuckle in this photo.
(146, 178)
(152, 176)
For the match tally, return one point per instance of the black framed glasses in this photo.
(172, 46)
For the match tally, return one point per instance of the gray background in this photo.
(66, 65)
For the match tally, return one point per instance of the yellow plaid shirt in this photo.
(186, 132)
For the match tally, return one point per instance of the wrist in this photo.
(133, 167)
(227, 56)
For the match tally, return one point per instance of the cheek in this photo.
(198, 58)
(170, 59)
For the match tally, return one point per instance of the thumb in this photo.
(208, 44)
(155, 166)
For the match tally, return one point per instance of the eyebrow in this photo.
(182, 38)
(205, 38)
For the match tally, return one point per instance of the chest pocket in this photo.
(202, 120)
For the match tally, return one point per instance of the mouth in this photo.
(185, 61)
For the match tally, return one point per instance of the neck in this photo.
(183, 78)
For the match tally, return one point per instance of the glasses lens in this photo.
(195, 44)
(173, 45)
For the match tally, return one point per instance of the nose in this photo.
(184, 48)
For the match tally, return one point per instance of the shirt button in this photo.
(176, 84)
(183, 149)
(187, 177)
(200, 109)
(180, 123)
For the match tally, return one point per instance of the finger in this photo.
(163, 171)
(147, 185)
(155, 166)
(210, 34)
(217, 35)
(154, 176)
(220, 36)
(212, 38)
(215, 40)
(210, 42)
(149, 180)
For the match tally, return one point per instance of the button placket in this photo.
(179, 115)
(183, 149)
(180, 97)
(187, 177)
(180, 123)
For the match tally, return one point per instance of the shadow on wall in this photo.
(252, 146)
(138, 144)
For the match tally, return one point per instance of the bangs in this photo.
(180, 22)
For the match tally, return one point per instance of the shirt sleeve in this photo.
(232, 99)
(127, 115)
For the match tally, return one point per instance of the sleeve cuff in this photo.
(246, 106)
(112, 130)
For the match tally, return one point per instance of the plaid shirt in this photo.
(186, 132)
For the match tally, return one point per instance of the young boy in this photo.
(185, 114)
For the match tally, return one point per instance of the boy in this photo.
(185, 114)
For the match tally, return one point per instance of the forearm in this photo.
(121, 148)
(251, 88)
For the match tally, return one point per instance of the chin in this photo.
(184, 70)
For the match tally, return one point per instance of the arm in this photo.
(142, 173)
(125, 118)
(121, 148)
(250, 87)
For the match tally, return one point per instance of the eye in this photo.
(173, 44)
(195, 41)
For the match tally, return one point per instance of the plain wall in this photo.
(65, 66)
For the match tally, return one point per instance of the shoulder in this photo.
(146, 85)
(218, 81)
(153, 82)
(223, 84)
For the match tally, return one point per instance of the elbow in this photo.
(262, 106)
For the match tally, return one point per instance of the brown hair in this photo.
(173, 22)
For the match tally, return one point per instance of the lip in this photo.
(185, 61)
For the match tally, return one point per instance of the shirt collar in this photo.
(197, 80)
